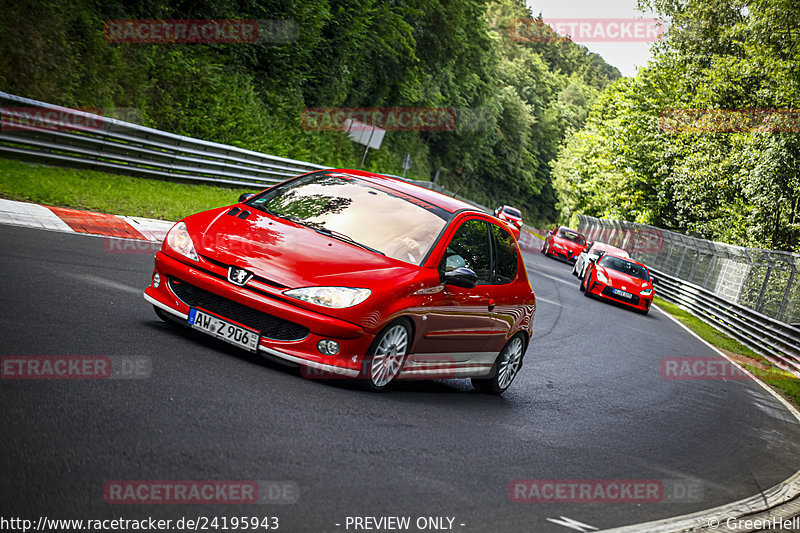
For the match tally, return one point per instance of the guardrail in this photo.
(45, 133)
(69, 137)
(776, 341)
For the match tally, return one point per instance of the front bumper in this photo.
(605, 291)
(563, 253)
(352, 339)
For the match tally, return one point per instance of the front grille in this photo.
(268, 325)
(633, 300)
(258, 278)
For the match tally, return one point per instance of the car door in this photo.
(503, 291)
(458, 321)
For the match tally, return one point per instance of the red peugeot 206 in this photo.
(620, 279)
(564, 243)
(355, 274)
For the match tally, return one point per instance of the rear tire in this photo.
(505, 368)
(386, 357)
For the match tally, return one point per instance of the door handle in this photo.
(491, 305)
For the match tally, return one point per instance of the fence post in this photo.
(786, 292)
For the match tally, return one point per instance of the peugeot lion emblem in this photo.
(238, 276)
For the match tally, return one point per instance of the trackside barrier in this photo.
(753, 295)
(767, 281)
(45, 133)
(778, 342)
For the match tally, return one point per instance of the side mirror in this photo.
(653, 280)
(463, 277)
(246, 196)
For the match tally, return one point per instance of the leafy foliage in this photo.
(515, 101)
(736, 184)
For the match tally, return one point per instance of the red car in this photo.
(355, 274)
(620, 279)
(512, 217)
(564, 243)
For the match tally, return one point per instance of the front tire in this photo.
(505, 368)
(386, 356)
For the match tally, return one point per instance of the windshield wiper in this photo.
(329, 232)
(345, 238)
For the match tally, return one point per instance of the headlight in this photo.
(179, 240)
(336, 297)
(646, 292)
(601, 277)
(556, 245)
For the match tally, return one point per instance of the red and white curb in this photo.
(78, 221)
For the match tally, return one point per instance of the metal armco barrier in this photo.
(46, 133)
(766, 281)
(752, 295)
(775, 340)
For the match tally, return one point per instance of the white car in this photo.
(596, 250)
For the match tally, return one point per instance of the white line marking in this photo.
(572, 524)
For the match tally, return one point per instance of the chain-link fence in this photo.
(766, 281)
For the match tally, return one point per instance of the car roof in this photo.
(438, 199)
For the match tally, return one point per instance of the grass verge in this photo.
(783, 382)
(109, 193)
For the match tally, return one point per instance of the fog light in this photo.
(328, 347)
(156, 280)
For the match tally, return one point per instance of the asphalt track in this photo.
(589, 404)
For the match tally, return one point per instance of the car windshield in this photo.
(356, 210)
(624, 266)
(573, 236)
(599, 248)
(511, 211)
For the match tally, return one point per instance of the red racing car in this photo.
(620, 279)
(512, 217)
(353, 274)
(564, 243)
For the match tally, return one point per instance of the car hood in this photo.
(619, 279)
(566, 243)
(287, 253)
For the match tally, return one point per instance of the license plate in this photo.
(622, 293)
(222, 329)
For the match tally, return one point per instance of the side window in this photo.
(470, 248)
(505, 249)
